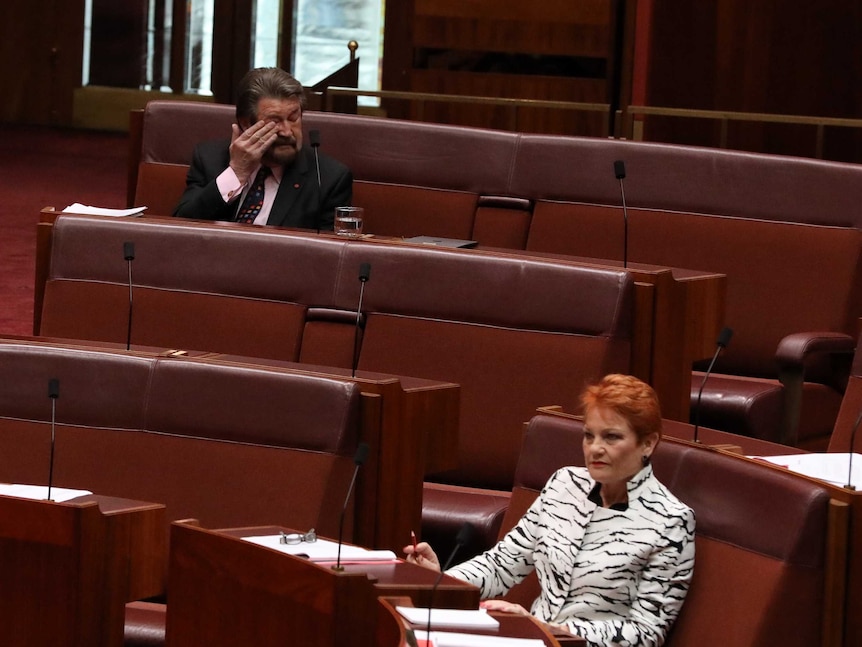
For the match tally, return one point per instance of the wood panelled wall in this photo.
(791, 57)
(41, 49)
(552, 50)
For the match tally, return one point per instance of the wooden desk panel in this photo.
(68, 569)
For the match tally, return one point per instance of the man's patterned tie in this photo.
(253, 202)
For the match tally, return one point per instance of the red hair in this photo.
(629, 397)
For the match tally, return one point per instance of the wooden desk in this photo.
(227, 591)
(679, 313)
(415, 431)
(511, 626)
(68, 569)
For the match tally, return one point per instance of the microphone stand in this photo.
(364, 275)
(723, 340)
(620, 172)
(129, 256)
(314, 139)
(358, 460)
(461, 539)
(53, 394)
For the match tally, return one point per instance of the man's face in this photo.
(286, 114)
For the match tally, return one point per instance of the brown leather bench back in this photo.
(692, 179)
(514, 332)
(413, 178)
(243, 292)
(430, 313)
(761, 537)
(170, 131)
(229, 444)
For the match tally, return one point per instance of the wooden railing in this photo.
(632, 122)
(419, 99)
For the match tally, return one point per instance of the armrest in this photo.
(799, 351)
(795, 349)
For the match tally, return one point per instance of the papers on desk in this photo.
(451, 639)
(324, 550)
(40, 492)
(101, 211)
(450, 618)
(830, 467)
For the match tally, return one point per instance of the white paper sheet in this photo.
(323, 550)
(451, 618)
(453, 639)
(40, 492)
(831, 467)
(77, 207)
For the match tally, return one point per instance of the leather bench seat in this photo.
(559, 195)
(762, 565)
(145, 624)
(427, 312)
(446, 508)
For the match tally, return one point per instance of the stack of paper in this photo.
(449, 618)
(451, 639)
(831, 467)
(40, 492)
(323, 550)
(101, 211)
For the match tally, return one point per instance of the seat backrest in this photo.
(771, 290)
(692, 179)
(234, 445)
(170, 131)
(240, 280)
(515, 332)
(761, 537)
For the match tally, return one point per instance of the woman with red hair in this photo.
(612, 547)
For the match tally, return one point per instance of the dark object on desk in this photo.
(442, 242)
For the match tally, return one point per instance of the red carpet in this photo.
(43, 167)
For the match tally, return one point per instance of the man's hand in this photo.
(248, 146)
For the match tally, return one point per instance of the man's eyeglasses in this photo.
(298, 537)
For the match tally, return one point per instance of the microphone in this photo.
(850, 485)
(620, 173)
(53, 394)
(722, 342)
(465, 534)
(314, 140)
(364, 275)
(358, 459)
(129, 256)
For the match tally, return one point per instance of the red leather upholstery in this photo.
(762, 538)
(419, 178)
(429, 312)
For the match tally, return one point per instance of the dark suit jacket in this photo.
(298, 203)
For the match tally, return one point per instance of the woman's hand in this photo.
(504, 607)
(422, 555)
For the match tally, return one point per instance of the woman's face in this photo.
(612, 450)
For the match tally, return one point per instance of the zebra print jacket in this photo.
(613, 577)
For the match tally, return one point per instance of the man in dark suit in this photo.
(263, 174)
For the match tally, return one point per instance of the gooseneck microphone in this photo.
(465, 534)
(53, 394)
(129, 256)
(358, 460)
(364, 275)
(314, 140)
(722, 342)
(850, 485)
(620, 173)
